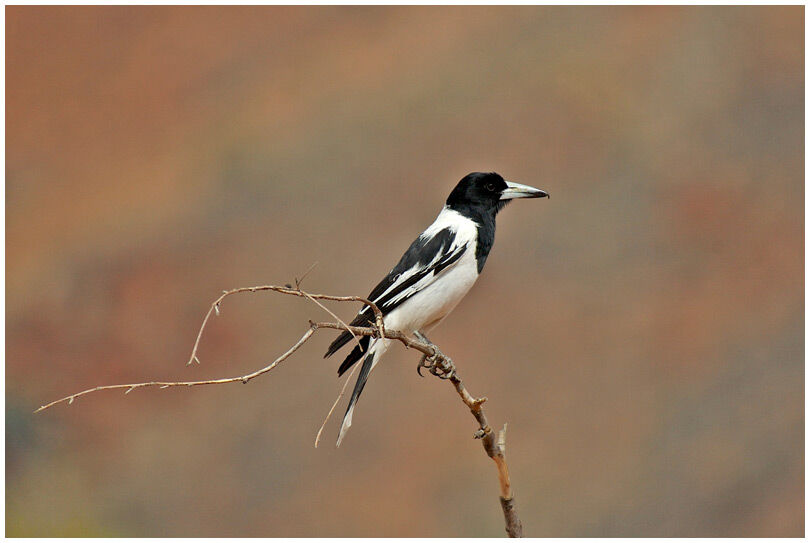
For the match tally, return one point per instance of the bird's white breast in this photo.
(440, 297)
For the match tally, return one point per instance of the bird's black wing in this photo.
(425, 259)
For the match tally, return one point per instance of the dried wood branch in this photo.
(495, 450)
(168, 384)
(494, 447)
(283, 290)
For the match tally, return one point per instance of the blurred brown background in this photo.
(641, 332)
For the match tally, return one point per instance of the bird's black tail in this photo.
(374, 351)
(356, 354)
(361, 319)
(339, 342)
(358, 389)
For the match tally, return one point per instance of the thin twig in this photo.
(300, 281)
(334, 405)
(346, 326)
(166, 384)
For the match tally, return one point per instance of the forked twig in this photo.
(283, 290)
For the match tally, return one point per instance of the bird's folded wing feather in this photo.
(435, 251)
(428, 256)
(423, 262)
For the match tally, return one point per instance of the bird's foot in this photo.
(438, 363)
(442, 367)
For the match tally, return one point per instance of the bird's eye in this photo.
(489, 186)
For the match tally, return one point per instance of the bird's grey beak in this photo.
(516, 190)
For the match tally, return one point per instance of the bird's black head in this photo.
(488, 193)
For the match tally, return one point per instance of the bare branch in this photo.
(167, 384)
(495, 449)
(314, 326)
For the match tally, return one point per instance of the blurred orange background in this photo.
(641, 331)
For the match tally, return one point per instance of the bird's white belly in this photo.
(438, 299)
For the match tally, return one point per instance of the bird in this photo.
(434, 274)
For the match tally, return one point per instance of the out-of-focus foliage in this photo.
(641, 331)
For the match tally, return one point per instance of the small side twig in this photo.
(334, 405)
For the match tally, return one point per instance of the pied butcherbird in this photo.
(435, 272)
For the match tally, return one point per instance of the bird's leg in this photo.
(422, 362)
(426, 361)
(438, 363)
